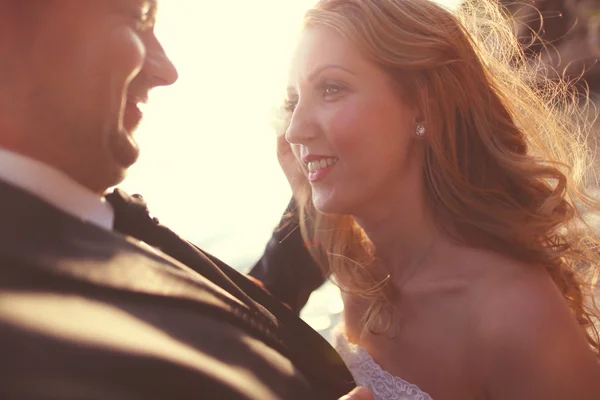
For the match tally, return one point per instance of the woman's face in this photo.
(349, 127)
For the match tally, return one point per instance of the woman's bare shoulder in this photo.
(528, 339)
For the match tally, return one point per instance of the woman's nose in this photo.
(302, 127)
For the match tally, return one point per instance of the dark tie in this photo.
(132, 218)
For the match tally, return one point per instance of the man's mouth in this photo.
(134, 112)
(139, 103)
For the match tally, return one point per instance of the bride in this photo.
(439, 177)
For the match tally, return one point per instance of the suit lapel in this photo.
(42, 237)
(307, 349)
(45, 240)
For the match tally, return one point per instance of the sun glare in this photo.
(208, 167)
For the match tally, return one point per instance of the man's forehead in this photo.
(38, 5)
(150, 5)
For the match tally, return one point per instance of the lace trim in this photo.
(368, 373)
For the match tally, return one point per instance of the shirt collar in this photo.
(56, 188)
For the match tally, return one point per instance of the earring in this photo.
(420, 131)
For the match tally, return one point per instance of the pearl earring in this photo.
(420, 130)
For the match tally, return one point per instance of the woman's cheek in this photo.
(345, 126)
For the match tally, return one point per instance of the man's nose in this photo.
(302, 127)
(159, 67)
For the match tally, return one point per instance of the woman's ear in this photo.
(421, 111)
(423, 104)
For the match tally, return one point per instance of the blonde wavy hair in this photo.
(506, 151)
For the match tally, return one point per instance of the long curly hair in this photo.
(506, 148)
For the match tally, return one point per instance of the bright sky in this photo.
(208, 167)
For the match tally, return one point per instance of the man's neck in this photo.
(54, 187)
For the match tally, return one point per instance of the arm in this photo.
(535, 349)
(286, 269)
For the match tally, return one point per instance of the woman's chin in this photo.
(329, 206)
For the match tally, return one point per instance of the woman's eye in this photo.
(327, 89)
(331, 89)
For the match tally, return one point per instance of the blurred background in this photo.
(208, 167)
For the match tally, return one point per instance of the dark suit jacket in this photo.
(308, 351)
(89, 314)
(287, 269)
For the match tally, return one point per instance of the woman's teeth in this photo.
(317, 165)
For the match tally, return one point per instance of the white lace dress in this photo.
(367, 372)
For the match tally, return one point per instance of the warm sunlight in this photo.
(208, 167)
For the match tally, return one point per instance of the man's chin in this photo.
(124, 148)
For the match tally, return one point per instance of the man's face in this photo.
(76, 73)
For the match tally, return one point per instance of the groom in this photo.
(93, 303)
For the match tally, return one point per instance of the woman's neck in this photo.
(403, 235)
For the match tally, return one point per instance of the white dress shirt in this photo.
(56, 188)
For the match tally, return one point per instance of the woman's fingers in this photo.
(360, 393)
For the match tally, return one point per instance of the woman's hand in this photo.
(360, 393)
